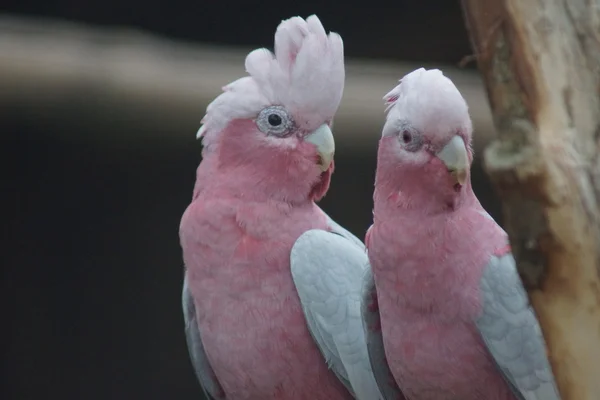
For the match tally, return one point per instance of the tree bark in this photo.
(540, 60)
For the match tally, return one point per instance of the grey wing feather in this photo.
(327, 269)
(204, 372)
(510, 330)
(372, 326)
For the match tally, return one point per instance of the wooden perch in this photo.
(124, 85)
(540, 61)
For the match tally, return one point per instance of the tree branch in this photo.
(127, 85)
(540, 60)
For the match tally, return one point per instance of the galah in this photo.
(444, 306)
(272, 287)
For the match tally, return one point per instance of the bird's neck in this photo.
(417, 195)
(248, 182)
(418, 189)
(426, 270)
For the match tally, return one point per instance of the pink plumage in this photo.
(429, 244)
(254, 196)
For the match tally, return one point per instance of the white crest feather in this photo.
(305, 75)
(429, 100)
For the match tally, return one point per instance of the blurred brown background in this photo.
(99, 107)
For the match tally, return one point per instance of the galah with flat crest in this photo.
(447, 316)
(272, 285)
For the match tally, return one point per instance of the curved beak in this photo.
(454, 155)
(323, 139)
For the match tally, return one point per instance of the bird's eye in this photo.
(275, 120)
(411, 139)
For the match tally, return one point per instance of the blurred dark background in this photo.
(91, 280)
(423, 31)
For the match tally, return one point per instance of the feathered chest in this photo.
(434, 262)
(428, 280)
(432, 360)
(252, 325)
(427, 273)
(235, 249)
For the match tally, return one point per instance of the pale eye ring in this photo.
(275, 120)
(410, 139)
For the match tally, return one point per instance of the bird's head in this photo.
(425, 150)
(274, 126)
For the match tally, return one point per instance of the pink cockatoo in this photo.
(272, 287)
(444, 305)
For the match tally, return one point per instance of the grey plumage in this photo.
(372, 326)
(328, 269)
(204, 372)
(510, 330)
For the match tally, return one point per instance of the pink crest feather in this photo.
(391, 99)
(305, 74)
(429, 101)
(288, 39)
(393, 95)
